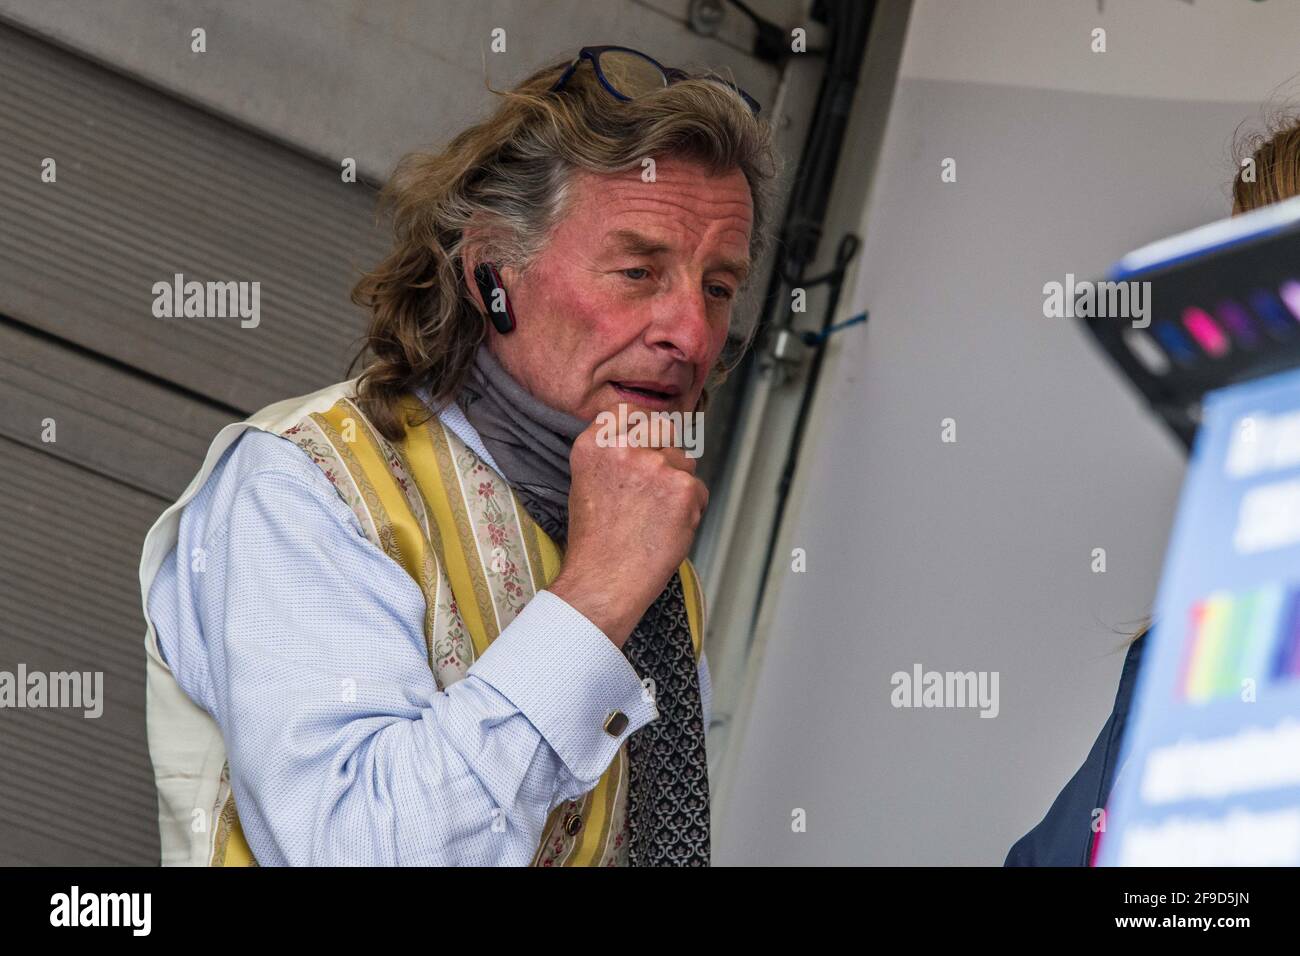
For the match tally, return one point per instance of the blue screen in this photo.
(1210, 771)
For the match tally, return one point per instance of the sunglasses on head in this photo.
(628, 73)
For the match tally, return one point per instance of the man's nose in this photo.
(683, 326)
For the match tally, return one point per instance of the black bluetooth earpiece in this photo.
(489, 281)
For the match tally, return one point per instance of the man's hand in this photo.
(633, 513)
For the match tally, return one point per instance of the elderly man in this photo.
(426, 616)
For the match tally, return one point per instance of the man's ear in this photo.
(488, 283)
(474, 251)
(471, 254)
(467, 266)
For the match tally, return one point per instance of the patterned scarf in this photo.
(668, 794)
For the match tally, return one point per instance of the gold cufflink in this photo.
(615, 723)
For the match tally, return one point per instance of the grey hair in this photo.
(498, 191)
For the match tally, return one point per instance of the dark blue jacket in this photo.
(1064, 837)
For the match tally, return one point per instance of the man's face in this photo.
(631, 299)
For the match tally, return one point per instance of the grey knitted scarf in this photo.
(668, 793)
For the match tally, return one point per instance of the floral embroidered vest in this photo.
(453, 524)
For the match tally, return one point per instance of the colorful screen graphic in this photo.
(1210, 773)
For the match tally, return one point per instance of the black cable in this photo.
(848, 248)
(748, 11)
(769, 43)
(848, 24)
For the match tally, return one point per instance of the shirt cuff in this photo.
(569, 680)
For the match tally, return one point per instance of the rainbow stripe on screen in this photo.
(1231, 638)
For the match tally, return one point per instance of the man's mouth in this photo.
(657, 394)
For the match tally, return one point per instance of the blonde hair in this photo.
(508, 177)
(1275, 151)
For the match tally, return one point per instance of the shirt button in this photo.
(615, 723)
(572, 824)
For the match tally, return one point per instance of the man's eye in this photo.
(643, 272)
(720, 291)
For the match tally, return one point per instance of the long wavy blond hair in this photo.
(1275, 150)
(508, 178)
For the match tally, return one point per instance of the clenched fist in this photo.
(633, 513)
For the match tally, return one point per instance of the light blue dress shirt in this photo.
(305, 642)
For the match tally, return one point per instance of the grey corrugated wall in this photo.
(146, 187)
